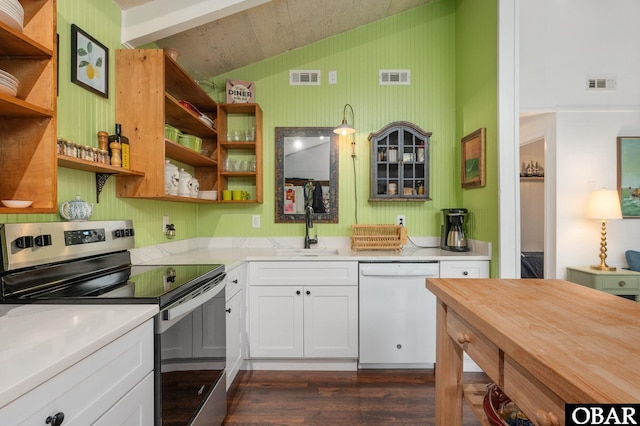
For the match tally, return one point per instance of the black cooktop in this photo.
(96, 281)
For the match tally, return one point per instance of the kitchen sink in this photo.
(306, 252)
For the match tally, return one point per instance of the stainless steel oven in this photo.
(89, 262)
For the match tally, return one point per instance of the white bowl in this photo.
(208, 195)
(17, 204)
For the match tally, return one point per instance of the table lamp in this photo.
(604, 204)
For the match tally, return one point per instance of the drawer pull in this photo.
(235, 281)
(622, 283)
(55, 420)
(463, 338)
(465, 273)
(546, 418)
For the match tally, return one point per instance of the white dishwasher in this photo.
(397, 315)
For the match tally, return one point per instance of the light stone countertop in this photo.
(234, 251)
(38, 341)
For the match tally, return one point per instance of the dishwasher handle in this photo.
(392, 271)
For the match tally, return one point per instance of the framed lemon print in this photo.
(89, 62)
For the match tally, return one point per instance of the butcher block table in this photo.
(544, 342)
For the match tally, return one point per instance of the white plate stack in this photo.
(12, 14)
(206, 120)
(8, 83)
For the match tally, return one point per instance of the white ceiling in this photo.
(217, 36)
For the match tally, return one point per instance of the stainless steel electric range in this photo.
(90, 262)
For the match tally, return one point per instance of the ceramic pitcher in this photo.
(184, 179)
(171, 176)
(194, 187)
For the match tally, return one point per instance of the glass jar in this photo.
(87, 153)
(71, 149)
(393, 155)
(103, 156)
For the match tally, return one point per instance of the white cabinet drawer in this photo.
(88, 389)
(464, 269)
(236, 278)
(135, 409)
(303, 273)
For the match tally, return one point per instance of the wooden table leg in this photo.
(449, 362)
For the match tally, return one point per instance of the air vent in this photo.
(601, 83)
(304, 78)
(394, 77)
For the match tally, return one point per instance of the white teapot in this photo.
(76, 210)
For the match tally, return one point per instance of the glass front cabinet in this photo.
(400, 163)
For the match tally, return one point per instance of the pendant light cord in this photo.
(355, 185)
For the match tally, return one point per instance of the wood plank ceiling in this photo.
(254, 32)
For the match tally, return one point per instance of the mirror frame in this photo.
(288, 132)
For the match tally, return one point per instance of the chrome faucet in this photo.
(308, 220)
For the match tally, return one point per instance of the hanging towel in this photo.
(318, 203)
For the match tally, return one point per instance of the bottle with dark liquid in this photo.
(125, 149)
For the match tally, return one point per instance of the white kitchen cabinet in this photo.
(311, 313)
(135, 409)
(114, 385)
(236, 279)
(464, 269)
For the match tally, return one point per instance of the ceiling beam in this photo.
(157, 19)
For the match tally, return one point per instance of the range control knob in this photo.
(122, 233)
(43, 240)
(24, 242)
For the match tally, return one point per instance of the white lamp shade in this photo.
(604, 204)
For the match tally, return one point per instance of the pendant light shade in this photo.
(345, 128)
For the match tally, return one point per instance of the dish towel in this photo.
(318, 203)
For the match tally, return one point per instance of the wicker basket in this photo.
(378, 237)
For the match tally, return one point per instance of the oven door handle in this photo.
(183, 306)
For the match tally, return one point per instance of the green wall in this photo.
(423, 41)
(450, 46)
(477, 106)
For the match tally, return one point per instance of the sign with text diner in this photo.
(241, 92)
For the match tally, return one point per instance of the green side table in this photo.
(620, 282)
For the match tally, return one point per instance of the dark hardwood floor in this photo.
(364, 397)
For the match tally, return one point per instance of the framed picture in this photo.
(629, 175)
(89, 62)
(473, 159)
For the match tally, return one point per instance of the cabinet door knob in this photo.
(228, 310)
(298, 292)
(56, 419)
(308, 292)
(463, 338)
(622, 283)
(235, 281)
(465, 273)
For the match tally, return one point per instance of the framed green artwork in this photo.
(473, 159)
(629, 175)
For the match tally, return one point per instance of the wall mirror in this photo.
(306, 174)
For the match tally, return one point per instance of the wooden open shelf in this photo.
(474, 396)
(28, 121)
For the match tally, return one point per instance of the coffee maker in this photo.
(454, 236)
